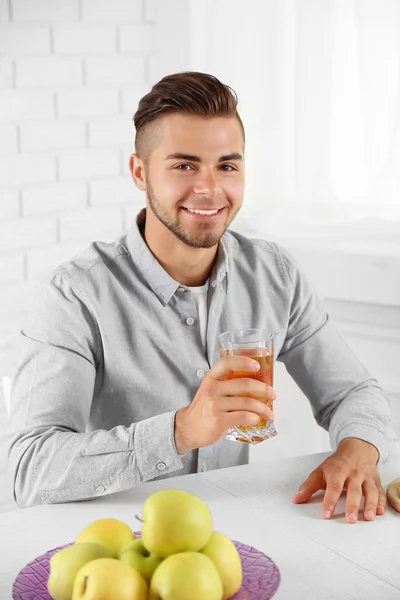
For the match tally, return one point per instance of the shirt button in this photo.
(180, 289)
(189, 321)
(161, 466)
(101, 489)
(200, 373)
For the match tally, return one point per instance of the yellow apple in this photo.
(65, 564)
(175, 521)
(136, 555)
(109, 579)
(186, 576)
(222, 551)
(112, 533)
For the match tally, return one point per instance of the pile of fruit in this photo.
(177, 557)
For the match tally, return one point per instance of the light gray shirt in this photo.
(112, 349)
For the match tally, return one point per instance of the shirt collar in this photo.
(162, 284)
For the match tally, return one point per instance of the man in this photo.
(120, 380)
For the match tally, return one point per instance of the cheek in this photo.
(172, 188)
(234, 190)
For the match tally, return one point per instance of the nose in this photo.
(207, 183)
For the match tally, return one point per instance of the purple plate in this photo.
(260, 576)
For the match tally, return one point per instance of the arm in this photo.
(345, 400)
(52, 458)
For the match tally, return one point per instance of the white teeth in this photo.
(203, 212)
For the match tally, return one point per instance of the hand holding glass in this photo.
(257, 344)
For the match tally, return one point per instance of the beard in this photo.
(202, 237)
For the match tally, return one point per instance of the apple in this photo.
(175, 521)
(65, 564)
(222, 551)
(109, 578)
(112, 533)
(186, 575)
(138, 557)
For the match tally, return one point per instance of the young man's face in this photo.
(197, 165)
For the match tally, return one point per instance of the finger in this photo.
(227, 364)
(353, 500)
(371, 494)
(381, 501)
(312, 484)
(240, 418)
(334, 489)
(245, 403)
(248, 387)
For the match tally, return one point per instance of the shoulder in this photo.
(260, 252)
(93, 263)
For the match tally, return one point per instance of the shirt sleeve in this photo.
(345, 399)
(52, 456)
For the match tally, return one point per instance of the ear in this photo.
(136, 168)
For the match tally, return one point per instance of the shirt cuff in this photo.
(154, 446)
(366, 434)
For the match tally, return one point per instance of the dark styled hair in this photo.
(189, 93)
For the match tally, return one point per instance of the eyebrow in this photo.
(194, 158)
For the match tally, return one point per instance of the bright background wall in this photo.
(71, 75)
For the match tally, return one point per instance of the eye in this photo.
(183, 167)
(227, 168)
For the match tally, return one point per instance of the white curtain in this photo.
(319, 89)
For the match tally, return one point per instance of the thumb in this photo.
(311, 485)
(302, 495)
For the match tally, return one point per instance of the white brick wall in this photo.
(84, 39)
(8, 137)
(95, 223)
(117, 10)
(87, 102)
(4, 16)
(9, 203)
(49, 72)
(48, 135)
(71, 75)
(45, 10)
(54, 199)
(19, 106)
(24, 40)
(6, 74)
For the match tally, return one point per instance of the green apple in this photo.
(112, 533)
(222, 551)
(186, 575)
(65, 564)
(175, 521)
(109, 578)
(136, 555)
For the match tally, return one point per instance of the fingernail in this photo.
(274, 395)
(352, 517)
(272, 416)
(327, 514)
(371, 513)
(380, 509)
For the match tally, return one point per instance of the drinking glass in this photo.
(257, 344)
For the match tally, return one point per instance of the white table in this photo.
(317, 559)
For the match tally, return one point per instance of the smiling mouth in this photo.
(204, 212)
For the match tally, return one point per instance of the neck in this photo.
(188, 266)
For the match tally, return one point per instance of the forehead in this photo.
(199, 135)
